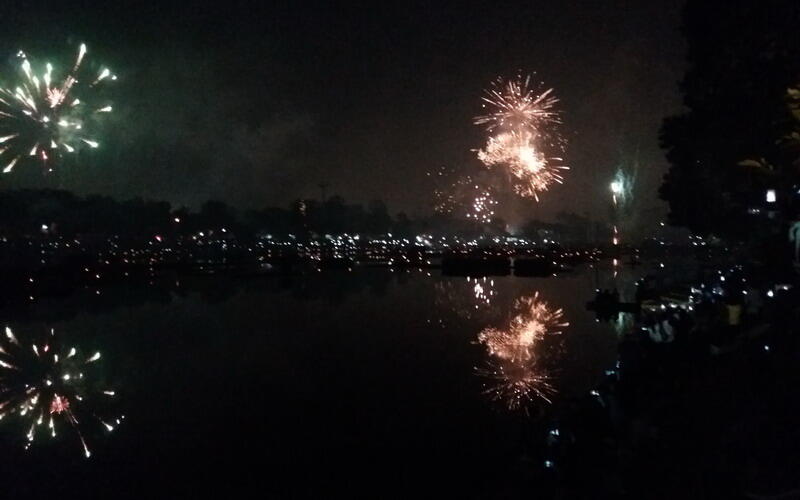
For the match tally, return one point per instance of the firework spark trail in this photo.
(531, 170)
(448, 186)
(463, 195)
(514, 105)
(481, 208)
(42, 385)
(40, 118)
(516, 370)
(517, 384)
(523, 125)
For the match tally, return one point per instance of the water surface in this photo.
(364, 382)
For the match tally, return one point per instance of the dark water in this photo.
(364, 383)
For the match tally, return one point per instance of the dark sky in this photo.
(258, 103)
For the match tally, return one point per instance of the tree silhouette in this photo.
(742, 57)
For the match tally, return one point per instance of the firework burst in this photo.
(531, 171)
(50, 113)
(464, 196)
(482, 207)
(447, 186)
(523, 123)
(515, 105)
(517, 370)
(45, 386)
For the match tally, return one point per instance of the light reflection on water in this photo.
(373, 362)
(520, 351)
(538, 337)
(47, 388)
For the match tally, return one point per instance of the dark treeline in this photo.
(32, 212)
(740, 134)
(568, 227)
(28, 212)
(62, 213)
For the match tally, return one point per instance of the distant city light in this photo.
(771, 197)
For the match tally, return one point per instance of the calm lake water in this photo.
(370, 382)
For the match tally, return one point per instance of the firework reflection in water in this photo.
(471, 299)
(518, 353)
(48, 386)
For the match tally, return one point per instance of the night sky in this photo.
(258, 103)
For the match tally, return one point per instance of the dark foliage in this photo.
(742, 58)
(32, 212)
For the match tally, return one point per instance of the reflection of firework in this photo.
(517, 384)
(471, 300)
(534, 320)
(484, 291)
(45, 386)
(523, 122)
(517, 369)
(42, 117)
